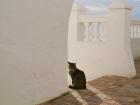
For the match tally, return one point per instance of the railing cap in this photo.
(120, 4)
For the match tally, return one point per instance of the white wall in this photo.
(111, 57)
(97, 60)
(135, 43)
(33, 50)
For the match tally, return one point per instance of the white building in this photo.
(33, 48)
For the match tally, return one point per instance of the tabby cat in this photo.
(77, 76)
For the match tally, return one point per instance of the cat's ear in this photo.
(69, 63)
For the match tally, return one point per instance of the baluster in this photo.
(138, 30)
(99, 26)
(91, 32)
(102, 31)
(131, 34)
(106, 31)
(135, 30)
(96, 32)
(86, 38)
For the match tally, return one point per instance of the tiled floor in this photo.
(107, 90)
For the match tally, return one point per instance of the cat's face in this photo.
(71, 66)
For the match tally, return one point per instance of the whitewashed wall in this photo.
(33, 50)
(111, 53)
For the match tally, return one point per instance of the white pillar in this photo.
(77, 10)
(120, 21)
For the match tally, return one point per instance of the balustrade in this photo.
(96, 28)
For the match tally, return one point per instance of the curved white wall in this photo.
(33, 50)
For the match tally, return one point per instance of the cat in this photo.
(78, 77)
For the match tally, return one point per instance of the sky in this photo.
(103, 4)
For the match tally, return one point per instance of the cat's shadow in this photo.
(89, 97)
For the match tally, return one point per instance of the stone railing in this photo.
(135, 29)
(95, 28)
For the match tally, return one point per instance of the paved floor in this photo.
(107, 90)
(123, 90)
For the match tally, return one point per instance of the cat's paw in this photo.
(71, 87)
